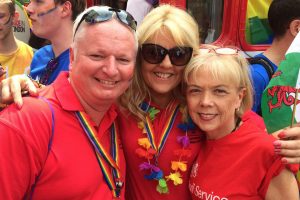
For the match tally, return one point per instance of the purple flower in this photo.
(145, 166)
(184, 141)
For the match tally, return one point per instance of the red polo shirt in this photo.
(71, 170)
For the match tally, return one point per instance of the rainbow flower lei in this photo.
(151, 151)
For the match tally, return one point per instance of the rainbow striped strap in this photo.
(166, 131)
(111, 171)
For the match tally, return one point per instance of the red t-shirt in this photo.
(254, 118)
(237, 166)
(71, 170)
(139, 188)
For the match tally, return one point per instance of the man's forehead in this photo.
(106, 27)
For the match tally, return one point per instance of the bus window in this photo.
(209, 15)
(257, 27)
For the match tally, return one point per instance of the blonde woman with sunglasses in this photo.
(237, 159)
(159, 143)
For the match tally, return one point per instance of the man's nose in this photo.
(29, 8)
(110, 67)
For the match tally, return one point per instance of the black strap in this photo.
(265, 63)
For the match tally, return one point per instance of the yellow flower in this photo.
(141, 125)
(175, 177)
(144, 142)
(179, 165)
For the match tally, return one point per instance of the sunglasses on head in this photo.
(105, 13)
(155, 54)
(219, 50)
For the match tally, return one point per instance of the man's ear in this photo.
(71, 56)
(295, 27)
(66, 9)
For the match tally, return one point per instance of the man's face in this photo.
(6, 21)
(45, 17)
(102, 61)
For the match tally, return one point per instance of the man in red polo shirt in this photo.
(65, 144)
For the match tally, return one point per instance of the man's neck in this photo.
(96, 113)
(8, 45)
(62, 39)
(96, 110)
(276, 52)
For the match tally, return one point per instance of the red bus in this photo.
(240, 23)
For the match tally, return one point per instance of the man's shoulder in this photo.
(45, 50)
(33, 112)
(41, 57)
(262, 67)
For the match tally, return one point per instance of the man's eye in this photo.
(123, 60)
(96, 56)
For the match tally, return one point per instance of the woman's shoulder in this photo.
(256, 138)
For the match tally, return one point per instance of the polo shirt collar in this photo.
(65, 93)
(70, 102)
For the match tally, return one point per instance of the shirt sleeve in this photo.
(24, 138)
(273, 171)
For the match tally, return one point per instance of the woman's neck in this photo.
(162, 100)
(222, 132)
(96, 109)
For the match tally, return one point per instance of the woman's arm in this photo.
(282, 187)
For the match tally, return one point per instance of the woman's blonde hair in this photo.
(228, 68)
(185, 32)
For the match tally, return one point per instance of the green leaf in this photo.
(152, 112)
(162, 190)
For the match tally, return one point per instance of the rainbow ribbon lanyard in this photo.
(166, 131)
(111, 173)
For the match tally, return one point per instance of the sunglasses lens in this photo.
(180, 55)
(204, 50)
(100, 16)
(152, 53)
(126, 18)
(105, 13)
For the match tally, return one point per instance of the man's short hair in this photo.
(78, 6)
(281, 14)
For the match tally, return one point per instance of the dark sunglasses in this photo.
(155, 54)
(105, 13)
(51, 66)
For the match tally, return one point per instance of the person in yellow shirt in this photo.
(2, 72)
(15, 55)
